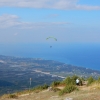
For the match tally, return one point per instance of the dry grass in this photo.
(95, 85)
(85, 93)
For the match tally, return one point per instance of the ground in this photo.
(84, 93)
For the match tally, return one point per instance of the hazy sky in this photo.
(32, 21)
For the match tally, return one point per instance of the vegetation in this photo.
(55, 83)
(90, 80)
(10, 96)
(72, 80)
(40, 88)
(68, 87)
(15, 73)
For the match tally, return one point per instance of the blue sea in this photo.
(78, 54)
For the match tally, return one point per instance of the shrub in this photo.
(22, 92)
(98, 80)
(40, 88)
(12, 96)
(80, 83)
(9, 96)
(45, 86)
(90, 80)
(55, 83)
(74, 77)
(68, 89)
(72, 80)
(68, 81)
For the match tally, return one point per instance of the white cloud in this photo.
(54, 4)
(7, 21)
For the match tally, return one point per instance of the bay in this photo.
(79, 54)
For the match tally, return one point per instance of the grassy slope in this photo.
(84, 93)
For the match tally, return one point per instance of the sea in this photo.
(79, 54)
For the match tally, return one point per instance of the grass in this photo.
(84, 93)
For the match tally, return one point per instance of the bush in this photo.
(90, 80)
(98, 80)
(74, 77)
(72, 80)
(12, 96)
(9, 96)
(22, 92)
(39, 88)
(68, 81)
(68, 89)
(55, 83)
(45, 86)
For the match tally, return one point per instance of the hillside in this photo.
(84, 93)
(15, 72)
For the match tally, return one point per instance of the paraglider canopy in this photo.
(51, 38)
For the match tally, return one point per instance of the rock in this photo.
(69, 99)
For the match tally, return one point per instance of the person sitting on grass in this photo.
(77, 82)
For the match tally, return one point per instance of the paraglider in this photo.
(50, 39)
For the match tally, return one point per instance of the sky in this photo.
(32, 21)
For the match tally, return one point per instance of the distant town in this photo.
(15, 72)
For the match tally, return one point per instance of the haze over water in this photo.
(83, 55)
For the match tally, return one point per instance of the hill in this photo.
(15, 72)
(84, 92)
